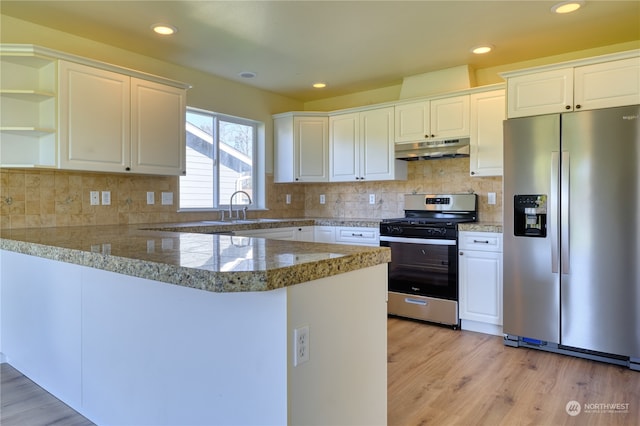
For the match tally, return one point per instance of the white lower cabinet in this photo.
(324, 234)
(357, 235)
(293, 233)
(319, 234)
(480, 281)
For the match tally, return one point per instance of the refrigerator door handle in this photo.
(564, 212)
(553, 209)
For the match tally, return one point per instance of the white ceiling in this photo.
(351, 45)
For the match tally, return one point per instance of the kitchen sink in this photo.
(239, 221)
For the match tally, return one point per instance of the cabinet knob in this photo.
(578, 106)
(128, 169)
(426, 136)
(461, 253)
(297, 179)
(567, 107)
(473, 173)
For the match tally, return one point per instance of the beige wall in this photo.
(351, 200)
(32, 198)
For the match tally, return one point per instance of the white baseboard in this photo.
(481, 327)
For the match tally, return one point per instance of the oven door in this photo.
(425, 267)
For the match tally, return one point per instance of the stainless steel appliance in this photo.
(572, 234)
(423, 272)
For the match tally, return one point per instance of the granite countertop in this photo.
(193, 255)
(481, 227)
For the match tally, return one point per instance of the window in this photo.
(221, 159)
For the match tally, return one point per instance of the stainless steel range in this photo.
(423, 272)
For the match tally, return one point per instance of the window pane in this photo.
(236, 161)
(196, 188)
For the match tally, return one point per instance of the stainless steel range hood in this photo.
(432, 150)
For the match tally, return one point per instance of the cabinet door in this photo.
(311, 148)
(450, 118)
(324, 234)
(480, 286)
(412, 122)
(283, 162)
(376, 144)
(157, 128)
(94, 119)
(344, 147)
(609, 84)
(487, 115)
(540, 93)
(305, 233)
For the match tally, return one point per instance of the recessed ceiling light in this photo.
(164, 29)
(567, 6)
(247, 74)
(319, 85)
(479, 50)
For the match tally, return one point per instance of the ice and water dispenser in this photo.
(530, 215)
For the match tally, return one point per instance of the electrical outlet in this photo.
(322, 199)
(288, 199)
(491, 198)
(151, 198)
(106, 198)
(300, 345)
(372, 198)
(94, 198)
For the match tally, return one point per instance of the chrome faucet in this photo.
(244, 210)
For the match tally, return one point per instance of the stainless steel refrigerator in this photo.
(572, 233)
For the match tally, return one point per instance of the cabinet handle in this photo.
(578, 106)
(356, 235)
(426, 136)
(567, 107)
(480, 241)
(127, 169)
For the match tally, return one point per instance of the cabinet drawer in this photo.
(369, 236)
(485, 241)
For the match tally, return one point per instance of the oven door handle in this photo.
(417, 241)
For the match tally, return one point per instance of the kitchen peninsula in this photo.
(139, 325)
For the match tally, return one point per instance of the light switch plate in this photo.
(106, 198)
(322, 199)
(167, 198)
(491, 198)
(151, 197)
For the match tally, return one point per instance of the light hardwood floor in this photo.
(437, 376)
(23, 403)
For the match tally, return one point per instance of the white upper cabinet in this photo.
(488, 111)
(609, 84)
(28, 97)
(361, 147)
(95, 132)
(437, 119)
(64, 111)
(301, 142)
(111, 122)
(157, 128)
(576, 86)
(541, 93)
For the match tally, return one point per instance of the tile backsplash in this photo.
(44, 198)
(448, 175)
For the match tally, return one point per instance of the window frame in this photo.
(257, 172)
